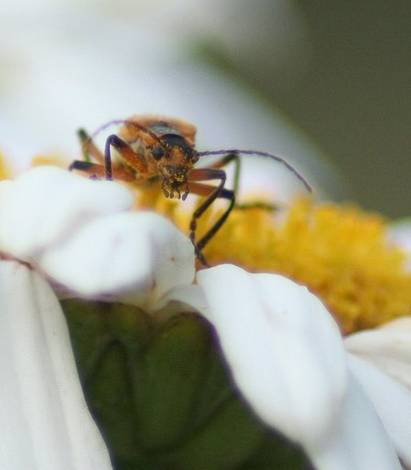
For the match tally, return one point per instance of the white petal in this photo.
(189, 296)
(387, 347)
(44, 420)
(284, 350)
(138, 256)
(46, 204)
(78, 232)
(286, 356)
(392, 402)
(358, 440)
(400, 233)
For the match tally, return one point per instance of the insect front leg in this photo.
(98, 171)
(212, 193)
(135, 160)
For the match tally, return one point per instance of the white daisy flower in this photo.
(79, 235)
(400, 233)
(287, 358)
(45, 423)
(284, 350)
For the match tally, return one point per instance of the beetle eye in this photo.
(158, 152)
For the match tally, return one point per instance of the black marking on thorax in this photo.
(163, 128)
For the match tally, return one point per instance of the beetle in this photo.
(151, 148)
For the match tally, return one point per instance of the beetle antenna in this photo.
(116, 122)
(260, 154)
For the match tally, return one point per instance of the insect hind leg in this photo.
(212, 193)
(201, 244)
(89, 148)
(235, 158)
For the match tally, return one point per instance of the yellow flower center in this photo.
(340, 253)
(53, 160)
(4, 170)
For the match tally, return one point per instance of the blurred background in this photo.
(325, 84)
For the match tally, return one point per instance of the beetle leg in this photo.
(96, 170)
(88, 147)
(135, 160)
(235, 157)
(231, 157)
(212, 193)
